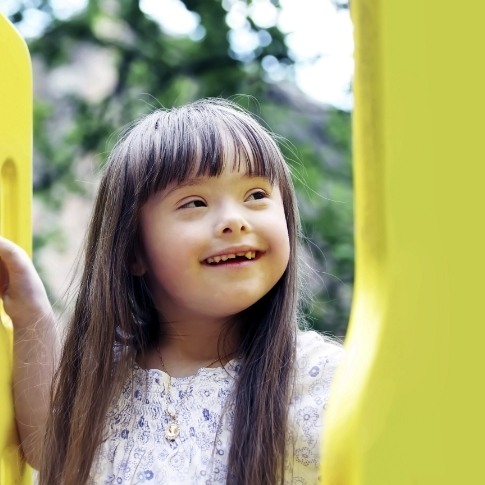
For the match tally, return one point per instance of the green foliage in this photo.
(151, 69)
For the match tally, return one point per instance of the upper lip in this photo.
(236, 250)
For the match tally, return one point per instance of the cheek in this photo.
(282, 245)
(168, 266)
(285, 252)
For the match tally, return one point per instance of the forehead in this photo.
(229, 175)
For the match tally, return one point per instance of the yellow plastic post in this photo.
(408, 405)
(15, 218)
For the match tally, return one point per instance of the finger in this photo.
(15, 259)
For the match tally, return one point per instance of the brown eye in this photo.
(258, 195)
(193, 204)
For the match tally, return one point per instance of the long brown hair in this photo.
(114, 318)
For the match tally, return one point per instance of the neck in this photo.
(186, 346)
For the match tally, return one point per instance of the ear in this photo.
(137, 264)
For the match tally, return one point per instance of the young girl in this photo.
(183, 363)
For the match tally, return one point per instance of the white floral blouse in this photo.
(137, 451)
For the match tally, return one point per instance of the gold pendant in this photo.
(172, 431)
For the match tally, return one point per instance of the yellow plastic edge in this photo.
(15, 219)
(407, 405)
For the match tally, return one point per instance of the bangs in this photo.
(201, 139)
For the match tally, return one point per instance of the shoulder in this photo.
(314, 348)
(317, 359)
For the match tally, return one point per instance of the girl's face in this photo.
(212, 246)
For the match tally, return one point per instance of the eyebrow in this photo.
(191, 182)
(194, 181)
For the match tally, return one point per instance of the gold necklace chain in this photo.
(172, 430)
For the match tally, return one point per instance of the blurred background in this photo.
(99, 64)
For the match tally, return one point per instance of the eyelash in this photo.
(258, 192)
(187, 205)
(193, 204)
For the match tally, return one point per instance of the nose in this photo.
(231, 221)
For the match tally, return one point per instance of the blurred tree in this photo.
(94, 66)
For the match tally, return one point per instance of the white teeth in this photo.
(225, 257)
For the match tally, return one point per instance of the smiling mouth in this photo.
(235, 257)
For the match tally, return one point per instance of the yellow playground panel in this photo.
(408, 405)
(15, 217)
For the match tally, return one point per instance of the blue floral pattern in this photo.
(135, 450)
